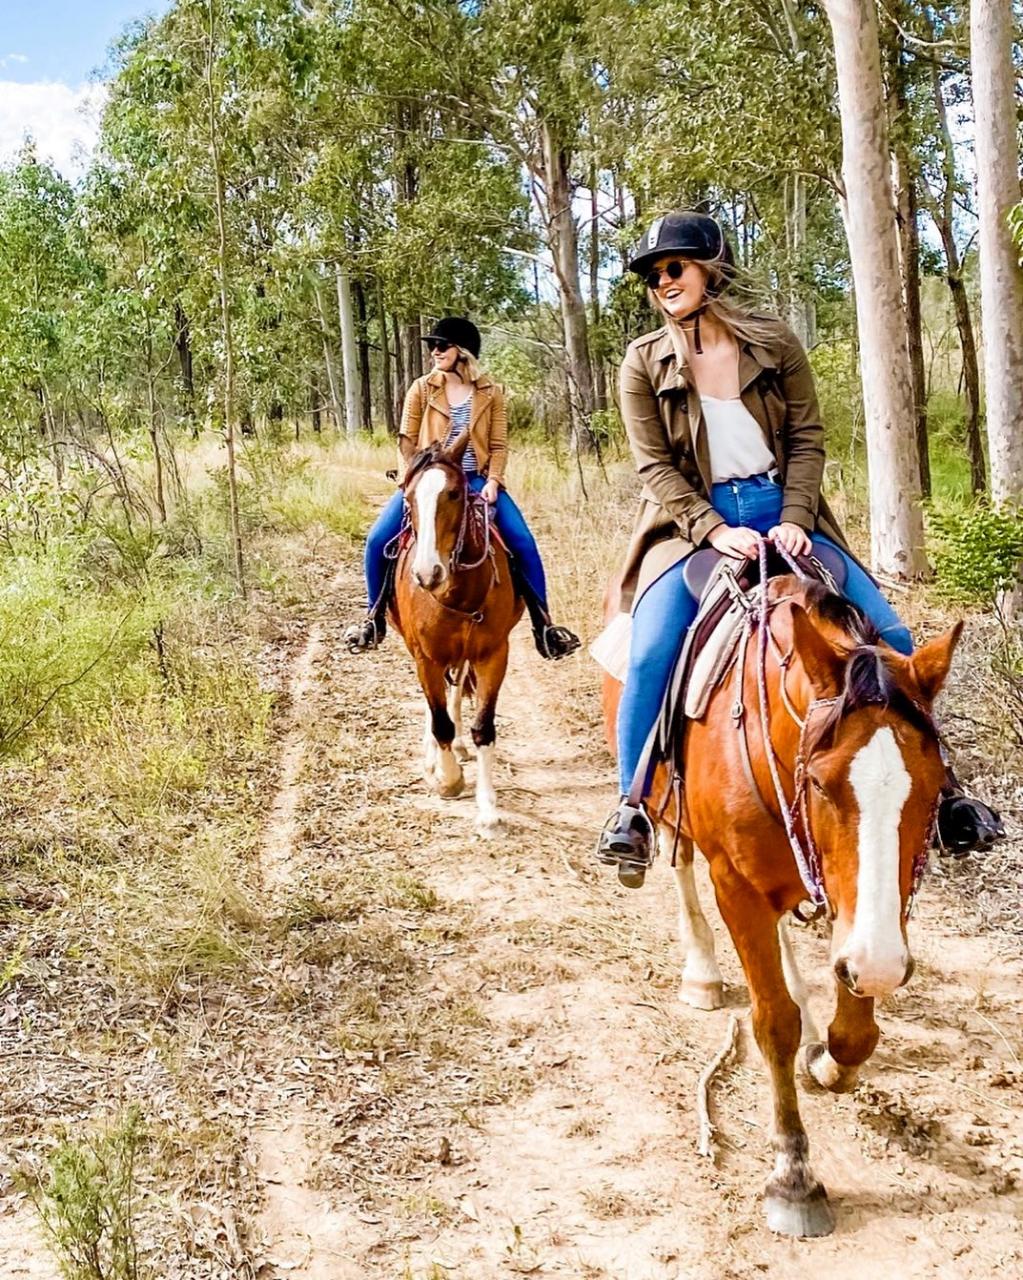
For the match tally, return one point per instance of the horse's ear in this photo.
(821, 661)
(454, 452)
(930, 663)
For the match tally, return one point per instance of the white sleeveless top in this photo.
(735, 440)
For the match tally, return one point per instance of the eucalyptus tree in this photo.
(1001, 274)
(897, 543)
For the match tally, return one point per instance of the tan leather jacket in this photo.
(664, 422)
(426, 418)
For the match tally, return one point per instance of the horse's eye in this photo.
(818, 786)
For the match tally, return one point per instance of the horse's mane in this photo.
(869, 677)
(427, 457)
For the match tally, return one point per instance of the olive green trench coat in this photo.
(664, 422)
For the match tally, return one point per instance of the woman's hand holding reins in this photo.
(740, 544)
(795, 540)
(490, 491)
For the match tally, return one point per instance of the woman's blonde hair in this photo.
(736, 310)
(472, 369)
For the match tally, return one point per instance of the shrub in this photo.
(981, 550)
(86, 1199)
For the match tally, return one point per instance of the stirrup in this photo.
(363, 635)
(966, 825)
(555, 642)
(627, 842)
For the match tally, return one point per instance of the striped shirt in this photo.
(460, 417)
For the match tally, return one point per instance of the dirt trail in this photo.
(543, 1122)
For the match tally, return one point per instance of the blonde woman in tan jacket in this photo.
(458, 396)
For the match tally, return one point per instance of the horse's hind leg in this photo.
(440, 766)
(795, 1202)
(797, 987)
(852, 1038)
(490, 673)
(702, 986)
(456, 692)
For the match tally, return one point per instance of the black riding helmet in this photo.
(695, 236)
(457, 330)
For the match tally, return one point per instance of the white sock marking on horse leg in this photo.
(701, 977)
(486, 796)
(448, 771)
(875, 949)
(796, 985)
(455, 712)
(426, 557)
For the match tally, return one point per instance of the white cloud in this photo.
(8, 58)
(63, 121)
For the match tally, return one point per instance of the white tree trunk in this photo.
(896, 521)
(563, 239)
(349, 352)
(1001, 278)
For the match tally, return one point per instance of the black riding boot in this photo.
(366, 634)
(551, 641)
(627, 842)
(965, 825)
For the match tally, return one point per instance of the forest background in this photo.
(206, 337)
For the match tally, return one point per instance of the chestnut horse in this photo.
(854, 769)
(455, 605)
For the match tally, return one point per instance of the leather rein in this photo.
(795, 815)
(475, 522)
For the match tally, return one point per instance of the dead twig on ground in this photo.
(705, 1144)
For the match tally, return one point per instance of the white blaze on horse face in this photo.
(427, 568)
(874, 954)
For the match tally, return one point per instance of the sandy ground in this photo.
(482, 1068)
(587, 1165)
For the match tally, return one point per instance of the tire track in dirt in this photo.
(583, 1161)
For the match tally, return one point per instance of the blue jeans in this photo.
(507, 516)
(666, 610)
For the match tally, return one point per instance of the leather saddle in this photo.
(723, 587)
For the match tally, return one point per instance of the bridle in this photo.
(474, 529)
(796, 815)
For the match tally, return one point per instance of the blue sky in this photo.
(52, 58)
(63, 40)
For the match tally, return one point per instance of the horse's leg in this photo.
(794, 1201)
(489, 677)
(852, 1038)
(429, 748)
(455, 693)
(797, 987)
(702, 986)
(446, 772)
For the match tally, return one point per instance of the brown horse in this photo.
(455, 605)
(858, 768)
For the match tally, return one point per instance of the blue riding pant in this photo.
(510, 523)
(666, 610)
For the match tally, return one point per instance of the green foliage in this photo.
(981, 551)
(87, 1201)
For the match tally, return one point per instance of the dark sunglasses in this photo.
(440, 345)
(671, 269)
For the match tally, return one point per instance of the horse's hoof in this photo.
(804, 1219)
(490, 827)
(828, 1073)
(451, 790)
(702, 995)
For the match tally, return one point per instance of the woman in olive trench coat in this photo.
(721, 413)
